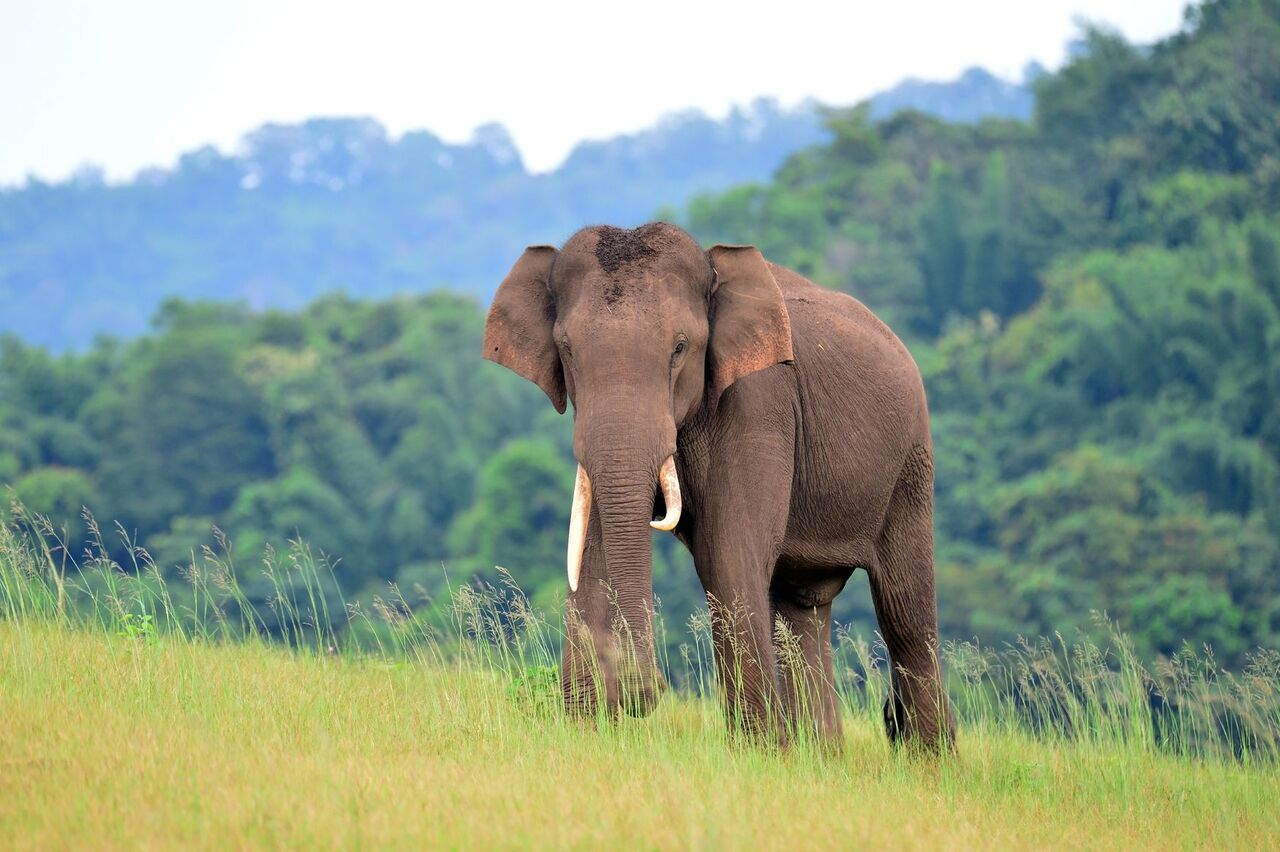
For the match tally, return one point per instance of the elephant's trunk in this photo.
(625, 460)
(624, 502)
(580, 517)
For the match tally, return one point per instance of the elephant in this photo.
(778, 429)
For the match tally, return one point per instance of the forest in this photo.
(1093, 297)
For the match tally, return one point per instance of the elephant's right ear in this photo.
(517, 333)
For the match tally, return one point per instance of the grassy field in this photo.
(121, 727)
(108, 740)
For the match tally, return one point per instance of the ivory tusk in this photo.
(578, 525)
(670, 484)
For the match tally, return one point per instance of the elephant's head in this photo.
(640, 329)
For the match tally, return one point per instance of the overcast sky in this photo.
(133, 83)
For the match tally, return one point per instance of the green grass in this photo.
(128, 718)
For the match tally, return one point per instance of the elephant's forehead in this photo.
(662, 289)
(634, 316)
(638, 299)
(573, 271)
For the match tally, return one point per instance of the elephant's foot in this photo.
(903, 730)
(895, 719)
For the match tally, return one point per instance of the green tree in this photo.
(185, 429)
(60, 494)
(521, 510)
(943, 251)
(990, 274)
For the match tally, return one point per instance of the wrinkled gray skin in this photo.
(801, 437)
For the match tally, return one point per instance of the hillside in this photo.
(336, 204)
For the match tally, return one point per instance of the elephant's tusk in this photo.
(670, 484)
(578, 525)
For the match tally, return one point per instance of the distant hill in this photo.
(337, 204)
(975, 95)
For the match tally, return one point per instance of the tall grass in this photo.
(242, 704)
(1045, 689)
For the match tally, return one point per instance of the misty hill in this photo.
(337, 204)
(975, 94)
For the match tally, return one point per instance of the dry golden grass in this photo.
(108, 741)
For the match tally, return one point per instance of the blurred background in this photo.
(245, 253)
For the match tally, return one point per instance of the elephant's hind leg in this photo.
(902, 588)
(805, 670)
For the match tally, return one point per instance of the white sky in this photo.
(133, 83)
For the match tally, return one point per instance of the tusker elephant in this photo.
(778, 429)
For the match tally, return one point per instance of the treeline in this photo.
(1093, 297)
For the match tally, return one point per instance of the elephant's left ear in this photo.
(750, 329)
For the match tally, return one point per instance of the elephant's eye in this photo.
(679, 350)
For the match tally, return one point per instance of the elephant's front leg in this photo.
(745, 659)
(742, 520)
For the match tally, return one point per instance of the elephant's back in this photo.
(862, 412)
(836, 337)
